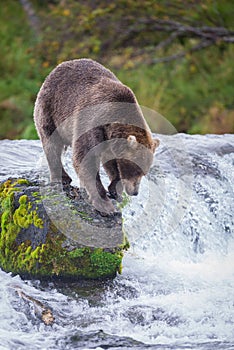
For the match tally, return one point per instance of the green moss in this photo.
(50, 258)
(24, 216)
(80, 262)
(84, 216)
(124, 202)
(104, 261)
(76, 253)
(12, 221)
(21, 182)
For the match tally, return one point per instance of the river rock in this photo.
(51, 231)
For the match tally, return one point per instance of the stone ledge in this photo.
(53, 232)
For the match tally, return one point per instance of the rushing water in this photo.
(177, 286)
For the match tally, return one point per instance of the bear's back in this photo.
(79, 85)
(82, 71)
(76, 84)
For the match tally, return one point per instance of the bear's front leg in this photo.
(102, 202)
(96, 191)
(115, 188)
(87, 168)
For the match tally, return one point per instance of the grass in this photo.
(19, 71)
(187, 92)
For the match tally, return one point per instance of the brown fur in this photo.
(84, 105)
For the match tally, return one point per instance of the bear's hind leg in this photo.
(53, 149)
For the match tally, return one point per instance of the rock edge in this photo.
(52, 232)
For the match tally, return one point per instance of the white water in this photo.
(177, 286)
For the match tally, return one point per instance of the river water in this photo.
(176, 290)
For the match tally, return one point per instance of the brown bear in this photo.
(82, 104)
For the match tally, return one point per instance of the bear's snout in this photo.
(131, 188)
(135, 193)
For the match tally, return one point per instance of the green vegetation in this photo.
(12, 222)
(125, 201)
(136, 39)
(41, 256)
(19, 70)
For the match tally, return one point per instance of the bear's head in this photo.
(135, 163)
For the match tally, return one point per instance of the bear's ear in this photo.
(132, 141)
(155, 144)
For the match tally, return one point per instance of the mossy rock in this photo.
(49, 231)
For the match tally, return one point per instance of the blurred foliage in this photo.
(195, 93)
(19, 70)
